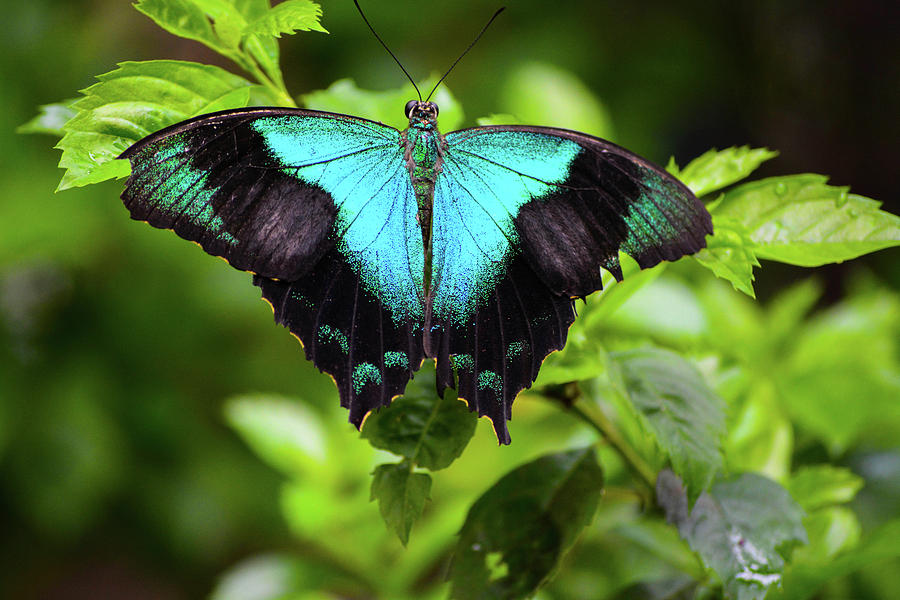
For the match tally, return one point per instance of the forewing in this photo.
(524, 217)
(600, 199)
(219, 180)
(321, 208)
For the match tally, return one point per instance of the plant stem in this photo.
(605, 427)
(284, 96)
(247, 63)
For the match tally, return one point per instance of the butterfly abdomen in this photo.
(423, 159)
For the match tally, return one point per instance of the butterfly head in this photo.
(422, 115)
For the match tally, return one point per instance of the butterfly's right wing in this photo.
(524, 217)
(320, 207)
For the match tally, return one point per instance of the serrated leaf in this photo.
(730, 254)
(184, 18)
(673, 168)
(801, 220)
(685, 416)
(288, 18)
(717, 169)
(132, 102)
(516, 533)
(401, 496)
(51, 118)
(343, 96)
(282, 432)
(251, 9)
(227, 19)
(822, 485)
(803, 580)
(741, 529)
(230, 32)
(428, 430)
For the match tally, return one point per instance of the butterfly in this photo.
(381, 248)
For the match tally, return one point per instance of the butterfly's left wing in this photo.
(524, 217)
(321, 208)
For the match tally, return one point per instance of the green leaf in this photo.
(717, 169)
(582, 358)
(51, 119)
(286, 576)
(537, 92)
(663, 541)
(498, 119)
(343, 96)
(132, 102)
(251, 9)
(616, 293)
(839, 380)
(234, 99)
(401, 496)
(288, 18)
(686, 417)
(730, 254)
(800, 220)
(228, 21)
(760, 436)
(786, 311)
(803, 580)
(740, 529)
(823, 485)
(516, 533)
(832, 530)
(428, 430)
(184, 18)
(282, 432)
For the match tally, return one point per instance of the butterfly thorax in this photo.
(423, 150)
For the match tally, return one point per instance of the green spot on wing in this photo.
(184, 193)
(364, 373)
(489, 379)
(303, 300)
(647, 224)
(515, 349)
(396, 359)
(463, 361)
(328, 334)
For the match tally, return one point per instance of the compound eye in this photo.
(409, 107)
(435, 109)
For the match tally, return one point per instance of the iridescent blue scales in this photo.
(379, 248)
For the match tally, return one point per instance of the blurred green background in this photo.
(119, 344)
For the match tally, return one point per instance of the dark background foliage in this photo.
(118, 344)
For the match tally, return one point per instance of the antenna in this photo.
(466, 51)
(396, 60)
